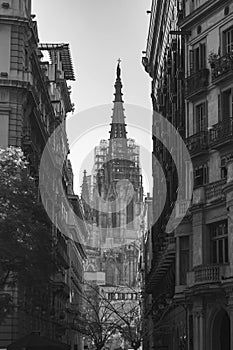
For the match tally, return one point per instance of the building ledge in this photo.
(201, 13)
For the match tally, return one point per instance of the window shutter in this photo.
(197, 59)
(205, 115)
(224, 51)
(202, 56)
(191, 61)
(219, 108)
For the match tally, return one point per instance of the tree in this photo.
(25, 230)
(96, 321)
(111, 312)
(126, 309)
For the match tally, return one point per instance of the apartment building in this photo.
(199, 309)
(34, 101)
(164, 62)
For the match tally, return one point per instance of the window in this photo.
(223, 168)
(226, 104)
(197, 58)
(184, 259)
(130, 212)
(114, 216)
(26, 53)
(219, 242)
(200, 119)
(200, 175)
(228, 41)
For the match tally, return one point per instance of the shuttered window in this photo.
(200, 117)
(228, 41)
(219, 242)
(197, 58)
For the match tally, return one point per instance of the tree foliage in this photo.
(25, 230)
(103, 319)
(96, 321)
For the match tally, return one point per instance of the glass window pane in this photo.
(226, 250)
(220, 251)
(215, 252)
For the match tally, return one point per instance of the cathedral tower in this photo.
(119, 193)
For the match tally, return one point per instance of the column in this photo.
(195, 331)
(201, 332)
(231, 326)
(230, 311)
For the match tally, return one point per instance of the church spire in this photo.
(85, 196)
(85, 189)
(118, 125)
(118, 85)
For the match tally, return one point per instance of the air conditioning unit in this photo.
(5, 5)
(4, 74)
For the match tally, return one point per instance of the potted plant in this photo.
(213, 57)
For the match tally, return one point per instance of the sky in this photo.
(99, 33)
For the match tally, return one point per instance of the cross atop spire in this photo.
(118, 84)
(118, 69)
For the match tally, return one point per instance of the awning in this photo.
(34, 341)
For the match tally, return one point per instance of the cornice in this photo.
(201, 13)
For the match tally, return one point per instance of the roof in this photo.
(65, 57)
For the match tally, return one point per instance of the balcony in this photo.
(222, 68)
(197, 143)
(207, 274)
(213, 191)
(203, 275)
(197, 83)
(221, 133)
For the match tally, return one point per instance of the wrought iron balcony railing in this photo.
(221, 132)
(222, 66)
(197, 82)
(197, 143)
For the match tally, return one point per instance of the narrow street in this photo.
(116, 175)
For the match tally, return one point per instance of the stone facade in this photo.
(34, 100)
(116, 197)
(198, 305)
